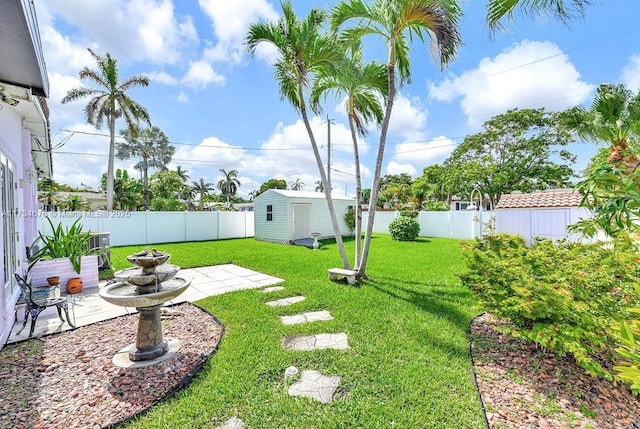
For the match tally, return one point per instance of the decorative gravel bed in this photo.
(67, 380)
(524, 387)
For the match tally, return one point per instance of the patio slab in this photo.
(88, 307)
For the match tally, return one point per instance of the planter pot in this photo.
(53, 281)
(74, 285)
(61, 267)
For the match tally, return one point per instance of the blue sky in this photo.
(221, 108)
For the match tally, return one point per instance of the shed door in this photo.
(550, 224)
(301, 228)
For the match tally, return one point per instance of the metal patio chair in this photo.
(34, 307)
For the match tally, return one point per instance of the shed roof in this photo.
(301, 194)
(546, 199)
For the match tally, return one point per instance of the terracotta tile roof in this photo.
(555, 198)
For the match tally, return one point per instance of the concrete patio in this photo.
(87, 307)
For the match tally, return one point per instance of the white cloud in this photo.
(230, 21)
(521, 76)
(201, 74)
(397, 168)
(137, 30)
(424, 153)
(631, 73)
(408, 118)
(162, 77)
(182, 97)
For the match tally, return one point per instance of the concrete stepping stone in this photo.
(285, 301)
(313, 316)
(316, 342)
(272, 289)
(315, 385)
(233, 423)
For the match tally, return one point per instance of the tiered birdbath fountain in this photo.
(146, 287)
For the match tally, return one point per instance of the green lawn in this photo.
(408, 365)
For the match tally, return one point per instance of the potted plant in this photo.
(64, 253)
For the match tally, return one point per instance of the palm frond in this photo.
(564, 10)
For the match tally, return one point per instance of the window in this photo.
(269, 213)
(462, 206)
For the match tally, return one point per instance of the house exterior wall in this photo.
(281, 228)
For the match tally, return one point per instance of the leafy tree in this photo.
(304, 52)
(108, 103)
(74, 203)
(128, 192)
(397, 23)
(202, 188)
(166, 184)
(562, 9)
(513, 152)
(48, 191)
(273, 184)
(229, 184)
(297, 185)
(362, 86)
(152, 146)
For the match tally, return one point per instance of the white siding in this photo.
(278, 228)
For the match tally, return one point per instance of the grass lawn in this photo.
(408, 365)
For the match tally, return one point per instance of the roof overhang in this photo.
(21, 57)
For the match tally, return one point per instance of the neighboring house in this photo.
(283, 216)
(237, 207)
(25, 150)
(542, 214)
(458, 203)
(96, 200)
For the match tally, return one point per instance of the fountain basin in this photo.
(149, 261)
(137, 276)
(126, 295)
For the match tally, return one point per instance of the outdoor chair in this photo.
(34, 307)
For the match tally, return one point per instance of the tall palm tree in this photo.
(564, 10)
(297, 185)
(614, 118)
(109, 102)
(304, 51)
(152, 146)
(397, 23)
(363, 85)
(203, 188)
(229, 184)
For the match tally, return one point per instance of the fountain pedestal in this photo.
(149, 341)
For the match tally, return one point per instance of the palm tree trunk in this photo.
(112, 144)
(327, 189)
(376, 175)
(358, 228)
(145, 183)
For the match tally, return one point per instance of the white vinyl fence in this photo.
(130, 228)
(127, 228)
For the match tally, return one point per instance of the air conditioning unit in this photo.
(99, 244)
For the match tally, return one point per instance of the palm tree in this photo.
(319, 186)
(153, 148)
(363, 86)
(183, 174)
(562, 9)
(203, 188)
(304, 51)
(614, 117)
(229, 185)
(397, 23)
(74, 203)
(253, 194)
(108, 103)
(297, 185)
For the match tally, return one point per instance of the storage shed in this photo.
(283, 216)
(542, 214)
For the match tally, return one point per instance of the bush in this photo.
(409, 213)
(404, 228)
(629, 348)
(564, 297)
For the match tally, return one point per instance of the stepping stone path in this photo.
(313, 316)
(316, 342)
(272, 289)
(315, 385)
(232, 423)
(285, 301)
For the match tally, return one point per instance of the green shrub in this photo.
(564, 297)
(629, 348)
(404, 228)
(409, 213)
(350, 219)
